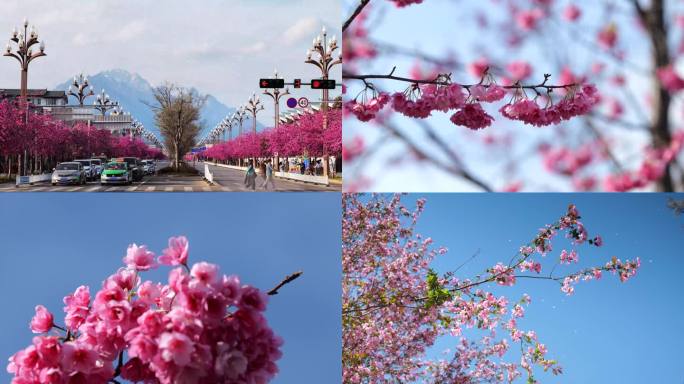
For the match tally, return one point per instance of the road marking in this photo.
(93, 189)
(74, 189)
(112, 189)
(149, 189)
(226, 189)
(168, 189)
(131, 189)
(38, 189)
(206, 189)
(187, 189)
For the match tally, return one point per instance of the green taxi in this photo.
(116, 173)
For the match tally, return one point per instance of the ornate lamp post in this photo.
(254, 106)
(276, 94)
(239, 116)
(82, 91)
(24, 53)
(103, 103)
(137, 129)
(324, 49)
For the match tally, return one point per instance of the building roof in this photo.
(44, 93)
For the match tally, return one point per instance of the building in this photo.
(38, 97)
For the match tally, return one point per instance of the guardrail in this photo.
(207, 174)
(24, 180)
(283, 175)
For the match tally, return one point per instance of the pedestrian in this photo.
(268, 172)
(250, 177)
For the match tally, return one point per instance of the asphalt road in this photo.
(226, 180)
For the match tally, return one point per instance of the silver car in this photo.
(88, 167)
(69, 173)
(97, 164)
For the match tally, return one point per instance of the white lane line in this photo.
(168, 189)
(112, 189)
(149, 189)
(93, 189)
(206, 189)
(131, 189)
(187, 189)
(74, 189)
(39, 189)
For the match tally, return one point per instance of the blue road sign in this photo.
(291, 102)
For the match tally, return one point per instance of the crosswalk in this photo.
(122, 188)
(134, 188)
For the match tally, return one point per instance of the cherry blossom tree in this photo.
(304, 137)
(200, 327)
(587, 93)
(395, 306)
(47, 141)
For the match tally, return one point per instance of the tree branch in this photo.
(439, 81)
(286, 280)
(353, 16)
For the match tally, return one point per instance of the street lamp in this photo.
(239, 116)
(83, 89)
(24, 53)
(275, 94)
(254, 106)
(103, 103)
(324, 61)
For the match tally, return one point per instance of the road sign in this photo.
(198, 150)
(291, 102)
(272, 83)
(303, 102)
(323, 84)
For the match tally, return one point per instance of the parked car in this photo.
(88, 168)
(69, 173)
(134, 166)
(99, 166)
(116, 173)
(149, 166)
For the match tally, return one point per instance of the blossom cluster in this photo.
(366, 111)
(652, 167)
(200, 327)
(575, 104)
(419, 101)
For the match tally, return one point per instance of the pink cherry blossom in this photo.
(139, 258)
(176, 253)
(42, 321)
(472, 116)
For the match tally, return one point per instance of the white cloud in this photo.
(303, 28)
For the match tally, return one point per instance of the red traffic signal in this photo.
(297, 83)
(272, 83)
(323, 84)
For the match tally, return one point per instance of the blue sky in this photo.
(453, 28)
(220, 47)
(53, 245)
(607, 332)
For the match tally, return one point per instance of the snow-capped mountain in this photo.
(132, 92)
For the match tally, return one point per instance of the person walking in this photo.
(250, 178)
(268, 172)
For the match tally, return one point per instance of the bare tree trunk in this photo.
(654, 19)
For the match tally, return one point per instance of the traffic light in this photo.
(322, 84)
(297, 83)
(272, 83)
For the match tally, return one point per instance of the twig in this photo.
(286, 280)
(353, 16)
(439, 81)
